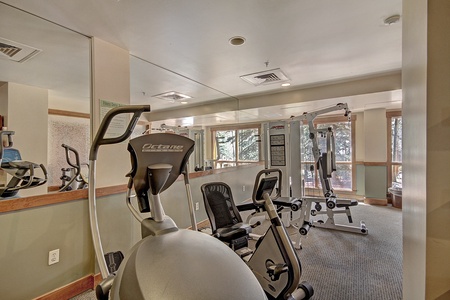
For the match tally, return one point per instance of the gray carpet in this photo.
(348, 266)
(341, 265)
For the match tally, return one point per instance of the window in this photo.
(343, 177)
(394, 147)
(235, 146)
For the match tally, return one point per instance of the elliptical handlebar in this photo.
(69, 149)
(100, 139)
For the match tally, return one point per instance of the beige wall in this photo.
(26, 237)
(360, 137)
(25, 109)
(438, 150)
(426, 48)
(111, 82)
(375, 140)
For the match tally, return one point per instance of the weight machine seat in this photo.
(226, 222)
(346, 202)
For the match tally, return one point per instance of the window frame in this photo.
(236, 128)
(390, 163)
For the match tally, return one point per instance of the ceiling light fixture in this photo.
(237, 40)
(184, 102)
(394, 19)
(285, 84)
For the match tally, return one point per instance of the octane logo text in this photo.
(162, 148)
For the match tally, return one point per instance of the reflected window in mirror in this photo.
(235, 146)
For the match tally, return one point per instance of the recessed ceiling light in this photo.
(184, 102)
(285, 84)
(237, 40)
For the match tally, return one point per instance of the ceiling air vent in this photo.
(265, 77)
(172, 96)
(15, 51)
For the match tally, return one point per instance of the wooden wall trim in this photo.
(372, 163)
(223, 170)
(54, 198)
(375, 163)
(375, 201)
(70, 290)
(66, 113)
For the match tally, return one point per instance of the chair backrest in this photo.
(219, 204)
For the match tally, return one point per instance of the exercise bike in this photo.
(22, 172)
(71, 178)
(274, 260)
(169, 262)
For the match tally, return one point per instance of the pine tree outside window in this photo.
(235, 146)
(394, 150)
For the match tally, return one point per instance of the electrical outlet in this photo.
(53, 257)
(243, 188)
(197, 206)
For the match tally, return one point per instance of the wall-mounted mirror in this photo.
(44, 92)
(181, 105)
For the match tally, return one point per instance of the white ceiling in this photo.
(184, 46)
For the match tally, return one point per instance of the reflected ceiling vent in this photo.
(172, 96)
(15, 51)
(266, 77)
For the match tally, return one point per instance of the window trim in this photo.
(236, 128)
(390, 163)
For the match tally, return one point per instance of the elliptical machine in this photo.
(22, 172)
(273, 261)
(71, 178)
(168, 263)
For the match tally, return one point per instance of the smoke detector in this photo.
(172, 96)
(15, 51)
(265, 77)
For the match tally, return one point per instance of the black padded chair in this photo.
(226, 222)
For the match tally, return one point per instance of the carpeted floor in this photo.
(349, 266)
(344, 266)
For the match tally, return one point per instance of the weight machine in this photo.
(284, 151)
(196, 161)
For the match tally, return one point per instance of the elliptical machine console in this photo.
(169, 262)
(22, 172)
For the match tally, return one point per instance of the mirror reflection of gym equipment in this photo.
(22, 172)
(197, 160)
(283, 151)
(72, 177)
(160, 266)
